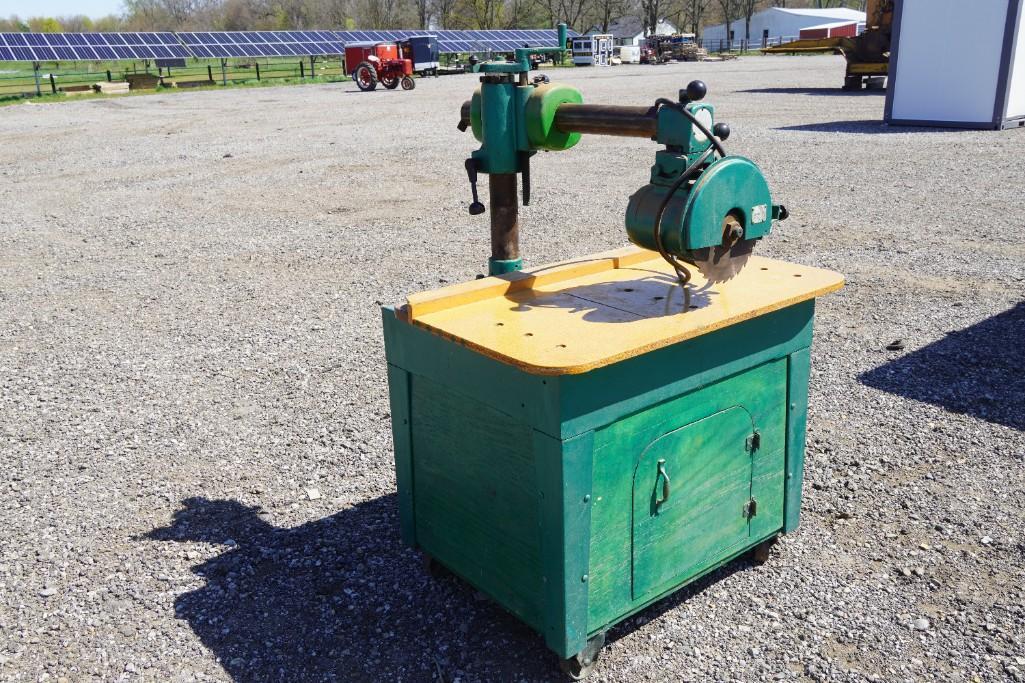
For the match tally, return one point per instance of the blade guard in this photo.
(693, 219)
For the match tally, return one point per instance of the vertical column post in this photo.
(505, 224)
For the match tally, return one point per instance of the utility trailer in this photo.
(593, 50)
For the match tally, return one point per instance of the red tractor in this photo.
(373, 63)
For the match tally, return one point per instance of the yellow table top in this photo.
(579, 315)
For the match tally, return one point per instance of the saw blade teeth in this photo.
(724, 266)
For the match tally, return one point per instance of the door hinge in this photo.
(750, 508)
(754, 441)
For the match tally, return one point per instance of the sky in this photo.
(56, 8)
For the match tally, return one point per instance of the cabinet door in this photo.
(691, 492)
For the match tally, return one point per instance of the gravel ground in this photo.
(197, 469)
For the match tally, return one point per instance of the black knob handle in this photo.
(476, 207)
(696, 90)
(721, 130)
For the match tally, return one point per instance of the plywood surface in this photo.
(580, 315)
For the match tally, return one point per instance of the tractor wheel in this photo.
(408, 83)
(365, 76)
(390, 81)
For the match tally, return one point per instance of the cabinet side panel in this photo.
(398, 392)
(476, 504)
(798, 369)
(564, 480)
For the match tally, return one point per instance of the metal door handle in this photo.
(665, 484)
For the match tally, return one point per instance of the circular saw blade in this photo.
(719, 264)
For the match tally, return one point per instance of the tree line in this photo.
(255, 15)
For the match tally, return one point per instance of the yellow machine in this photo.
(868, 55)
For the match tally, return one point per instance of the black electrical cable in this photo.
(681, 271)
(663, 102)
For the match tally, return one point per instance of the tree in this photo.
(651, 11)
(44, 25)
(78, 23)
(169, 15)
(748, 8)
(604, 12)
(693, 14)
(444, 11)
(729, 13)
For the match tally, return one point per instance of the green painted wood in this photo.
(530, 398)
(798, 371)
(767, 478)
(618, 447)
(708, 466)
(476, 505)
(494, 464)
(640, 605)
(597, 398)
(564, 406)
(398, 390)
(564, 480)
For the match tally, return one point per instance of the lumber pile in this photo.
(75, 90)
(689, 52)
(112, 88)
(188, 84)
(143, 81)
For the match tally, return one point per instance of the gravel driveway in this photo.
(197, 471)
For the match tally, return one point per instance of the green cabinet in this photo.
(577, 500)
(581, 440)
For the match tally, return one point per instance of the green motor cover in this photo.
(693, 218)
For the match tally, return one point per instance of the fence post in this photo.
(53, 85)
(302, 69)
(210, 72)
(224, 72)
(720, 45)
(313, 72)
(109, 79)
(35, 72)
(258, 71)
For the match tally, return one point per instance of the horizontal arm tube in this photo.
(597, 119)
(606, 119)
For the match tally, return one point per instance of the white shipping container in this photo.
(957, 64)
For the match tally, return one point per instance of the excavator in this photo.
(868, 55)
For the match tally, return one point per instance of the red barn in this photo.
(838, 29)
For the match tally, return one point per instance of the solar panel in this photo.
(452, 41)
(223, 44)
(46, 47)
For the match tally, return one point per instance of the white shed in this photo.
(780, 22)
(629, 30)
(932, 84)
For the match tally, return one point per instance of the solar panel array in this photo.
(465, 41)
(52, 47)
(262, 43)
(46, 47)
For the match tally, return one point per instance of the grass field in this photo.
(18, 78)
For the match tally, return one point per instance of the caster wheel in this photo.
(435, 569)
(760, 553)
(579, 666)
